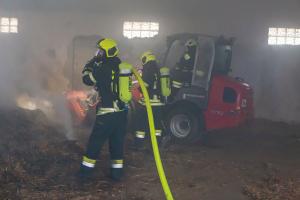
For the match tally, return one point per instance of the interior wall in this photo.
(47, 29)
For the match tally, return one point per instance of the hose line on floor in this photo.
(157, 158)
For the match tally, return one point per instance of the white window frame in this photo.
(9, 25)
(136, 29)
(284, 36)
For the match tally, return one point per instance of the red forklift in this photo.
(214, 100)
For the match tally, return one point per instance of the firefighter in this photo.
(112, 78)
(182, 75)
(157, 82)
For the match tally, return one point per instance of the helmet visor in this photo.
(144, 59)
(99, 53)
(112, 52)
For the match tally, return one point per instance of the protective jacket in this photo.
(104, 75)
(151, 78)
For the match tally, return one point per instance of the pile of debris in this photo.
(38, 162)
(273, 187)
(36, 159)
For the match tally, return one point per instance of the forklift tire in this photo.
(185, 125)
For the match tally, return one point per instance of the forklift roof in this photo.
(185, 36)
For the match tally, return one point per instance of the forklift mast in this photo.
(223, 55)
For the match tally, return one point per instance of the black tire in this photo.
(185, 125)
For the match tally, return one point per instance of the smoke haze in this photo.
(38, 59)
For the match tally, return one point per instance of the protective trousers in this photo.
(142, 125)
(111, 127)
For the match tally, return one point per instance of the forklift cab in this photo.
(213, 56)
(212, 100)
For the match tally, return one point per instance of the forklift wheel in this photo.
(185, 125)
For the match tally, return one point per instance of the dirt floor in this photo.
(257, 162)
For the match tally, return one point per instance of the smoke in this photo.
(63, 115)
(8, 74)
(48, 82)
(33, 61)
(33, 79)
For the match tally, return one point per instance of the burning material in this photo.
(76, 103)
(81, 102)
(25, 102)
(30, 103)
(55, 108)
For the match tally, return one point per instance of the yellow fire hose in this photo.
(158, 162)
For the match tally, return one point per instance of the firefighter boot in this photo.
(116, 174)
(86, 169)
(158, 134)
(85, 174)
(116, 170)
(139, 140)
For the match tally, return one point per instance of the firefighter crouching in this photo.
(158, 84)
(112, 78)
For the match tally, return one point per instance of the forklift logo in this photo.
(244, 103)
(185, 96)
